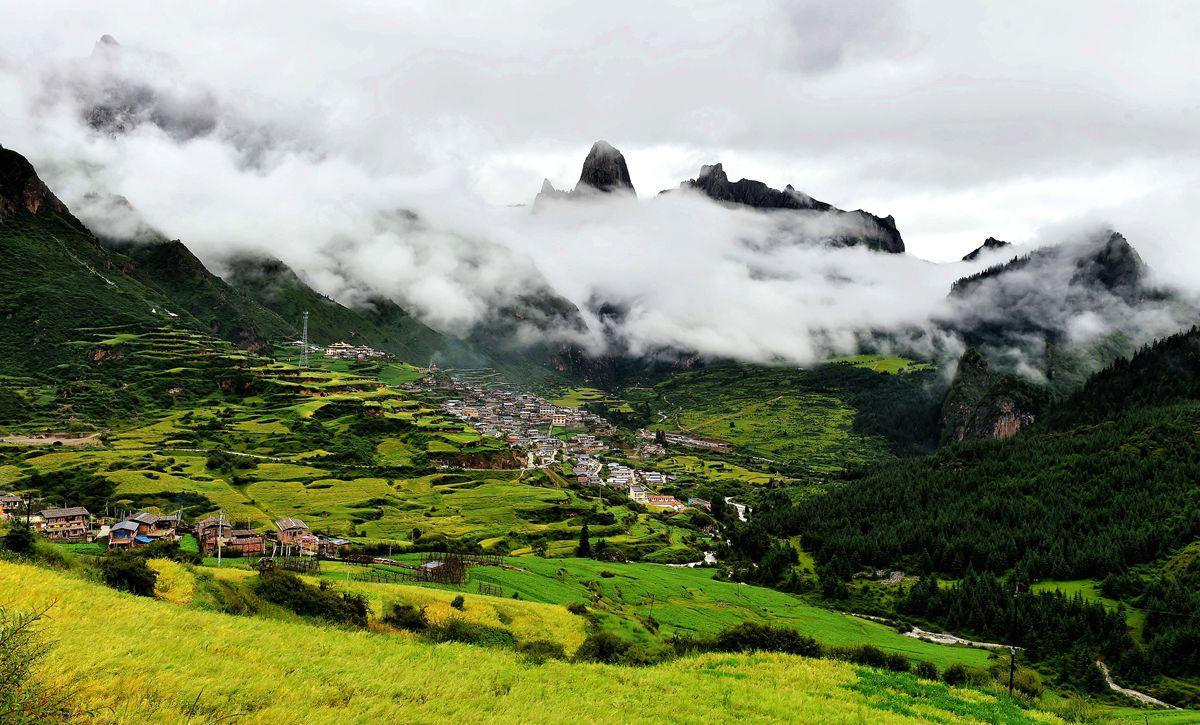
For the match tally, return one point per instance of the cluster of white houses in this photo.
(346, 351)
(527, 422)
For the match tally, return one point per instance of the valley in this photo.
(506, 522)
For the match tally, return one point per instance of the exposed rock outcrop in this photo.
(21, 191)
(604, 170)
(861, 227)
(980, 404)
(989, 244)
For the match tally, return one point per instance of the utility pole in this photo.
(220, 523)
(304, 343)
(1012, 668)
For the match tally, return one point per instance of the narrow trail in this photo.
(1139, 696)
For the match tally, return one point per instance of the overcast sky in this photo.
(961, 119)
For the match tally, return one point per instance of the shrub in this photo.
(749, 636)
(406, 616)
(872, 656)
(607, 574)
(577, 608)
(927, 671)
(456, 629)
(22, 698)
(602, 647)
(19, 539)
(288, 590)
(955, 675)
(540, 650)
(458, 603)
(128, 573)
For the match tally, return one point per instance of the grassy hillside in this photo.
(205, 666)
(171, 268)
(381, 324)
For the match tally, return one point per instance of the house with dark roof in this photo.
(242, 542)
(66, 524)
(124, 535)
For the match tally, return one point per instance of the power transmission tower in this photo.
(304, 343)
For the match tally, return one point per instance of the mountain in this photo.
(1066, 310)
(989, 244)
(170, 267)
(1165, 372)
(380, 323)
(981, 404)
(861, 227)
(604, 172)
(56, 278)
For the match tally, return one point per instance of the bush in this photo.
(872, 656)
(927, 671)
(19, 539)
(406, 616)
(22, 698)
(456, 629)
(749, 636)
(288, 590)
(129, 573)
(577, 608)
(602, 647)
(955, 675)
(541, 650)
(458, 603)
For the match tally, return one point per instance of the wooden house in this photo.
(290, 531)
(242, 542)
(67, 524)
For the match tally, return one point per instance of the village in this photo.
(548, 434)
(543, 435)
(215, 536)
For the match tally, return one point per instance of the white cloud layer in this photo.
(302, 133)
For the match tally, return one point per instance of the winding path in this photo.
(1139, 696)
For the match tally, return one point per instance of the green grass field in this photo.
(209, 667)
(883, 364)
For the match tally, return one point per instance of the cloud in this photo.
(379, 155)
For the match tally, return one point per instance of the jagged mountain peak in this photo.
(878, 232)
(604, 170)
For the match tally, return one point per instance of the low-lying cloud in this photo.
(228, 177)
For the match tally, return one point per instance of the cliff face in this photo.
(604, 170)
(982, 405)
(21, 191)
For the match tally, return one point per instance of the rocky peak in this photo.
(21, 191)
(604, 170)
(988, 245)
(712, 181)
(1115, 265)
(981, 404)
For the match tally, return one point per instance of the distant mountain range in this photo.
(59, 276)
(606, 172)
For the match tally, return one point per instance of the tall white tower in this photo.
(304, 343)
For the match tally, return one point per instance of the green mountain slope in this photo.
(384, 325)
(55, 278)
(170, 267)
